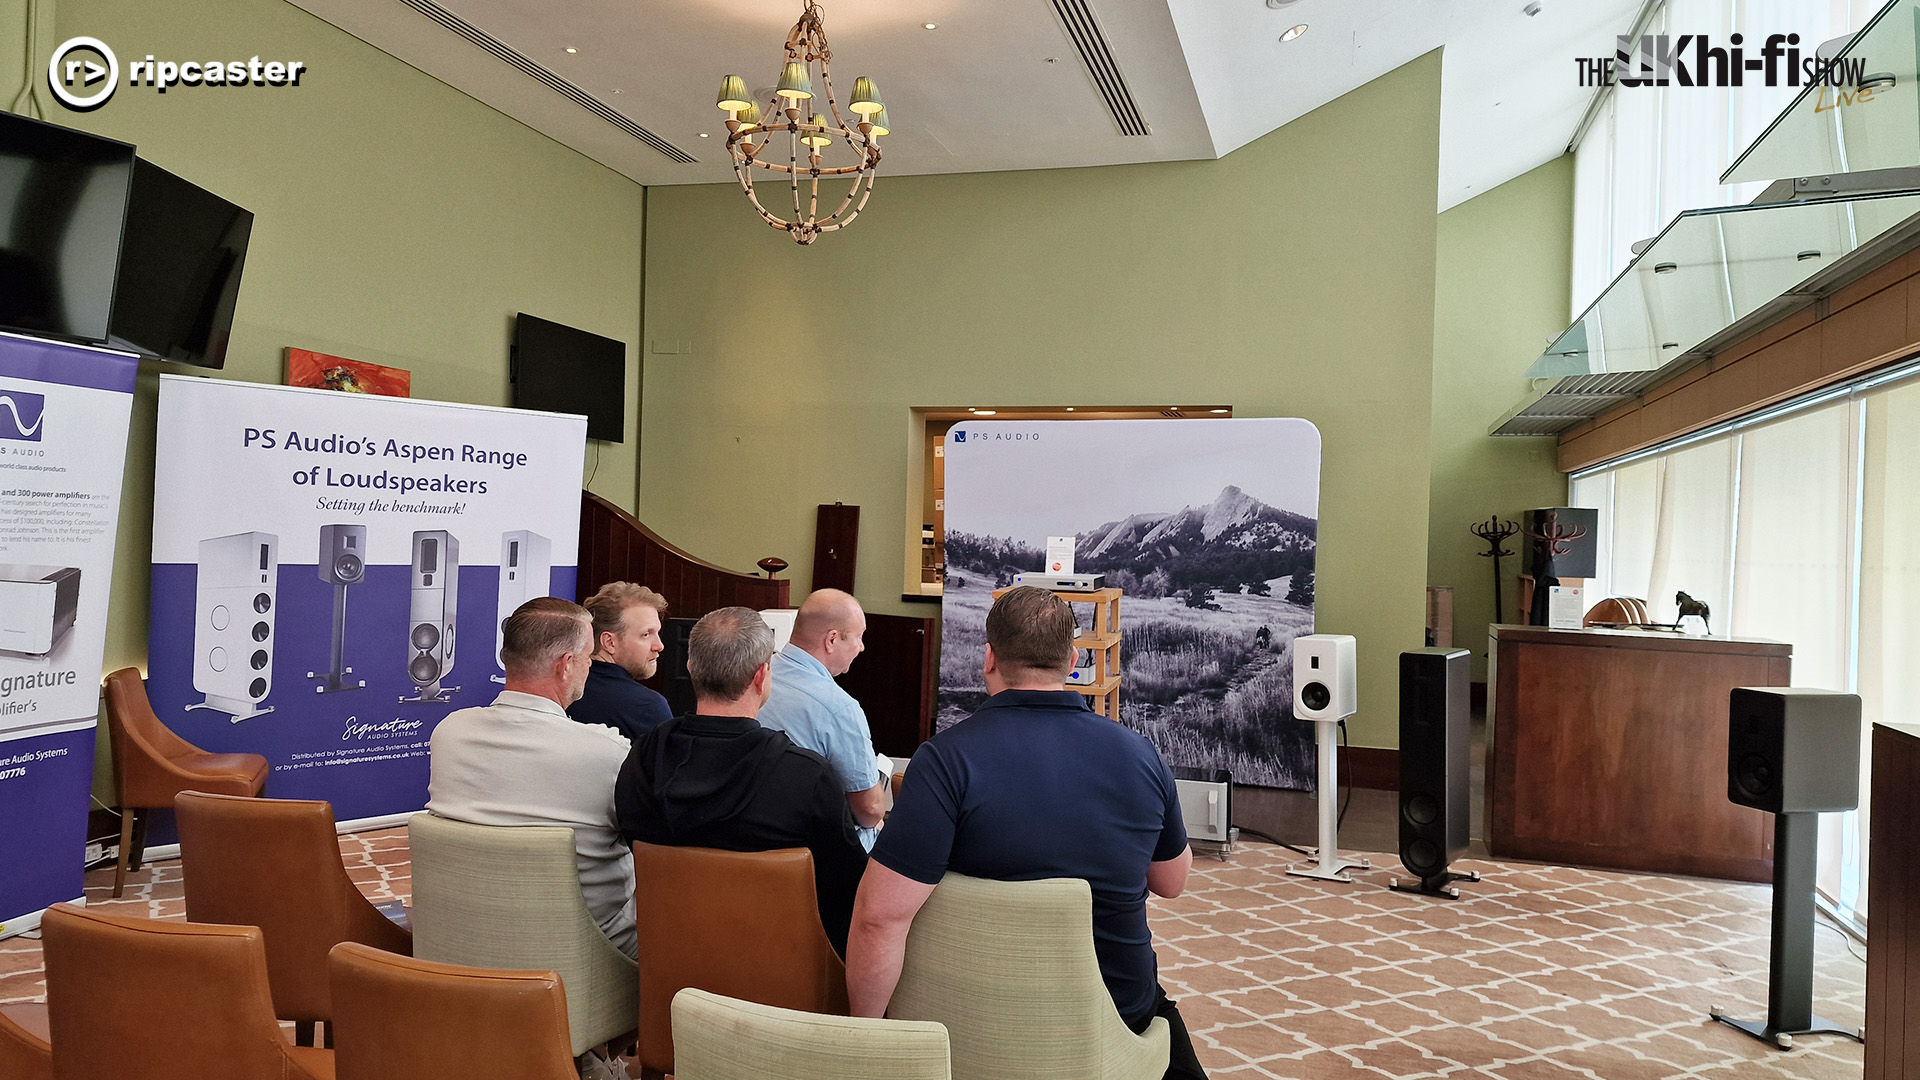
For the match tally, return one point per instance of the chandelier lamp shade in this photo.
(793, 109)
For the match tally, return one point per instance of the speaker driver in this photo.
(1753, 775)
(1422, 857)
(1316, 696)
(257, 689)
(1422, 810)
(348, 568)
(259, 659)
(426, 636)
(424, 669)
(261, 630)
(261, 602)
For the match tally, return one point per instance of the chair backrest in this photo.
(723, 1038)
(745, 924)
(400, 1017)
(1009, 968)
(509, 897)
(24, 1052)
(275, 864)
(186, 1000)
(140, 742)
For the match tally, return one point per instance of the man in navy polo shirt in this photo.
(626, 649)
(1033, 785)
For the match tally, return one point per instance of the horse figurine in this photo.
(1690, 606)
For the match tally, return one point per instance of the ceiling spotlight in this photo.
(1294, 31)
(1069, 408)
(931, 26)
(1220, 410)
(985, 412)
(1532, 9)
(1806, 255)
(571, 49)
(703, 134)
(1281, 3)
(1669, 344)
(1665, 268)
(1879, 80)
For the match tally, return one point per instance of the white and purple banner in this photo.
(63, 445)
(330, 571)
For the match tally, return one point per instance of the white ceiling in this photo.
(999, 85)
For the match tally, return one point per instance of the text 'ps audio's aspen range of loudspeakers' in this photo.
(1434, 768)
(343, 562)
(436, 597)
(1794, 753)
(234, 610)
(526, 569)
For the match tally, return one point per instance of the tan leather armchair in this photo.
(509, 897)
(745, 924)
(401, 1017)
(187, 1001)
(723, 1038)
(151, 765)
(1008, 967)
(275, 864)
(24, 1051)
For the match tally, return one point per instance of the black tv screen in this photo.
(179, 269)
(560, 369)
(63, 202)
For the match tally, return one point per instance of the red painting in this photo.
(323, 372)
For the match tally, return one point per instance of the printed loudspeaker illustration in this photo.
(342, 562)
(436, 596)
(526, 568)
(233, 614)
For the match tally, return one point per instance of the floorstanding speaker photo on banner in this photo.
(63, 446)
(331, 570)
(1207, 529)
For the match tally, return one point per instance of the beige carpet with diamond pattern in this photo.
(1538, 973)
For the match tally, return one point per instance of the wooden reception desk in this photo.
(1608, 748)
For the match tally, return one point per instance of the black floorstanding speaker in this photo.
(1794, 753)
(1434, 768)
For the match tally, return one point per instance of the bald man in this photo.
(819, 716)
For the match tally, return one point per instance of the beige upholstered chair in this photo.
(723, 1038)
(403, 1018)
(509, 897)
(1008, 967)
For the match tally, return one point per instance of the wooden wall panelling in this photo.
(1893, 907)
(836, 542)
(614, 546)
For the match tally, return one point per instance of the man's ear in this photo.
(763, 678)
(991, 665)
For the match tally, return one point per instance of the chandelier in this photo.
(752, 142)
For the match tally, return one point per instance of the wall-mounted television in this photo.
(180, 266)
(560, 369)
(63, 203)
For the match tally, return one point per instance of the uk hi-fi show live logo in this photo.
(1694, 60)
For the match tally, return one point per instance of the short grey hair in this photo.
(725, 649)
(540, 631)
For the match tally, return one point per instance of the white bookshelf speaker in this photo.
(1325, 685)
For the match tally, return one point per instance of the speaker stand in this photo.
(237, 709)
(1329, 867)
(1437, 885)
(1790, 959)
(431, 694)
(334, 680)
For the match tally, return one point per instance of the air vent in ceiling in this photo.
(578, 96)
(1091, 42)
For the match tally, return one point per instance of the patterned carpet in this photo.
(1539, 973)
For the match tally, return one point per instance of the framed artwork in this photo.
(322, 372)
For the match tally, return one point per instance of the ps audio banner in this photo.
(1208, 527)
(63, 448)
(331, 570)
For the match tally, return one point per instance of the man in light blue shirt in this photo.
(816, 714)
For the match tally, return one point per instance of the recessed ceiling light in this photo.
(703, 134)
(617, 90)
(1069, 408)
(1222, 410)
(985, 412)
(932, 26)
(1281, 3)
(1294, 31)
(1532, 9)
(571, 49)
(1806, 255)
(1665, 267)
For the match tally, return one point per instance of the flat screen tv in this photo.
(63, 202)
(560, 369)
(179, 269)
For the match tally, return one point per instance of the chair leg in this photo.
(126, 846)
(329, 1030)
(303, 1033)
(141, 819)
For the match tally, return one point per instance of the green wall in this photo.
(1504, 259)
(396, 221)
(1295, 277)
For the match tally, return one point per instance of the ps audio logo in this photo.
(85, 62)
(21, 414)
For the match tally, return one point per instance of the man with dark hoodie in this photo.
(717, 779)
